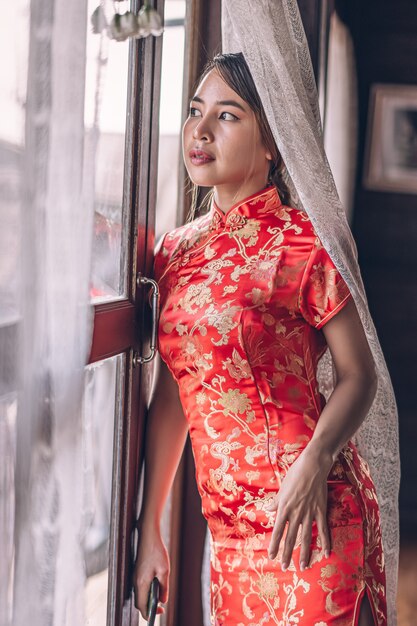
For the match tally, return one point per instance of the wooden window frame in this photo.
(122, 326)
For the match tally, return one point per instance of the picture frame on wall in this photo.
(391, 139)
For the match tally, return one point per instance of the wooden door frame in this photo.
(122, 326)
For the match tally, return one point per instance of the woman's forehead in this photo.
(213, 84)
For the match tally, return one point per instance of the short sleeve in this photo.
(323, 291)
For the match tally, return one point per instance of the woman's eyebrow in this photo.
(232, 103)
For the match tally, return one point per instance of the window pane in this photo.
(13, 85)
(170, 121)
(102, 414)
(105, 129)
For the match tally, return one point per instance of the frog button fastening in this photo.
(216, 221)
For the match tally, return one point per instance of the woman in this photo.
(250, 300)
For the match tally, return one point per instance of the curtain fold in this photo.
(46, 320)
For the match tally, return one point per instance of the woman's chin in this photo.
(201, 174)
(201, 180)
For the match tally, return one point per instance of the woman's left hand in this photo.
(301, 499)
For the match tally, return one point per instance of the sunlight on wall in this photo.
(170, 118)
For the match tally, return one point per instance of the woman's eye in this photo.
(231, 115)
(194, 113)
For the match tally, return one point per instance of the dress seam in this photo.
(258, 394)
(332, 312)
(302, 281)
(365, 591)
(307, 354)
(364, 535)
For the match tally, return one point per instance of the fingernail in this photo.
(327, 553)
(284, 566)
(302, 566)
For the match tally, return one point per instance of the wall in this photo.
(385, 224)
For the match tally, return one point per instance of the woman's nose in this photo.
(202, 131)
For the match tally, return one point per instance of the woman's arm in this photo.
(303, 493)
(356, 384)
(166, 434)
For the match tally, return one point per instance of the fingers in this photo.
(142, 586)
(324, 534)
(289, 544)
(293, 511)
(305, 550)
(141, 595)
(163, 588)
(276, 537)
(291, 538)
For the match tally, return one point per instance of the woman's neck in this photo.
(226, 196)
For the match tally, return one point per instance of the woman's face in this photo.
(228, 133)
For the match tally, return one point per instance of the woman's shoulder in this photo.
(297, 226)
(171, 240)
(178, 240)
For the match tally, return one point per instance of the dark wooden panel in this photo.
(386, 228)
(409, 475)
(193, 533)
(386, 52)
(385, 224)
(392, 16)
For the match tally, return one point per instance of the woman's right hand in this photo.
(152, 560)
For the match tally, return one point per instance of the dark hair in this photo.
(234, 70)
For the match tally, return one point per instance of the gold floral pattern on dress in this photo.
(324, 289)
(243, 299)
(234, 401)
(235, 222)
(268, 585)
(237, 367)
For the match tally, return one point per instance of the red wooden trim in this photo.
(114, 330)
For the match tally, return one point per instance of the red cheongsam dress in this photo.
(244, 296)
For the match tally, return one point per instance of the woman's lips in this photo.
(198, 157)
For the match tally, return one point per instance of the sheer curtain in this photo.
(45, 312)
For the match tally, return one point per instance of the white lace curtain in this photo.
(45, 314)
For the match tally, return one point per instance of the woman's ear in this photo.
(268, 155)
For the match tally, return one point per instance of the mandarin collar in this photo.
(238, 214)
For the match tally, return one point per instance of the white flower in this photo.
(149, 22)
(98, 20)
(123, 26)
(128, 24)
